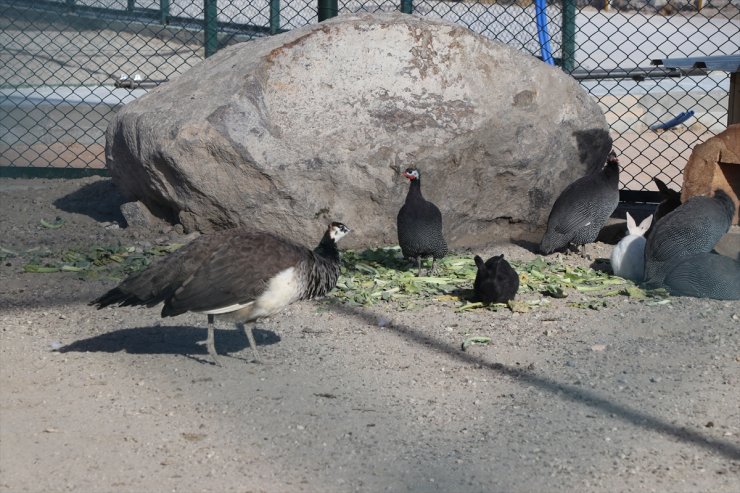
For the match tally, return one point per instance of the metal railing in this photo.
(68, 65)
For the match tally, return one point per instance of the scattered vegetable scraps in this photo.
(383, 275)
(475, 340)
(112, 262)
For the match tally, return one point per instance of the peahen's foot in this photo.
(210, 342)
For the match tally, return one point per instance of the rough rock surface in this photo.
(715, 164)
(287, 132)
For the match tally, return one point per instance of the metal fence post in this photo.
(407, 6)
(327, 9)
(274, 16)
(569, 35)
(130, 5)
(210, 27)
(164, 11)
(70, 4)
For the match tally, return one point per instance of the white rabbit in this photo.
(628, 256)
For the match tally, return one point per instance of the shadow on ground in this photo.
(177, 339)
(100, 200)
(572, 393)
(530, 246)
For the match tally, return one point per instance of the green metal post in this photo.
(327, 9)
(130, 5)
(164, 11)
(274, 16)
(70, 4)
(569, 35)
(210, 27)
(407, 6)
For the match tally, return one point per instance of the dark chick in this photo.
(496, 281)
(582, 209)
(419, 224)
(237, 275)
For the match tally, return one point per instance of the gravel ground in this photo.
(636, 396)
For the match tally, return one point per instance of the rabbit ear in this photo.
(662, 187)
(630, 223)
(479, 262)
(645, 224)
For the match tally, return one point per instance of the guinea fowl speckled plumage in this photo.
(582, 209)
(237, 274)
(694, 227)
(704, 275)
(419, 225)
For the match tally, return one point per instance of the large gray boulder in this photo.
(287, 132)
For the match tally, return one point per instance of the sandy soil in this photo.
(635, 396)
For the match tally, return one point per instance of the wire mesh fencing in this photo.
(68, 65)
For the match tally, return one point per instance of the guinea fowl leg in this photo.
(210, 342)
(434, 267)
(252, 343)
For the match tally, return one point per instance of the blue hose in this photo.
(679, 119)
(540, 7)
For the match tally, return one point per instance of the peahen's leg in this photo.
(248, 326)
(210, 342)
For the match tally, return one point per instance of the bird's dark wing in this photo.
(235, 269)
(160, 280)
(576, 215)
(693, 228)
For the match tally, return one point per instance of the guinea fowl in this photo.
(582, 209)
(704, 275)
(237, 275)
(694, 227)
(419, 225)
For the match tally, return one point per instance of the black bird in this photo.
(419, 225)
(694, 227)
(582, 209)
(238, 275)
(496, 280)
(704, 275)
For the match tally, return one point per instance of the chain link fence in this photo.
(68, 65)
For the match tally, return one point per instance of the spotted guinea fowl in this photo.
(419, 225)
(582, 209)
(496, 280)
(237, 275)
(704, 275)
(694, 227)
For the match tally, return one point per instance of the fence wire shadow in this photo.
(571, 393)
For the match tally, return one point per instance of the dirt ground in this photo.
(635, 396)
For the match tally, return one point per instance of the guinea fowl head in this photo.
(611, 170)
(411, 173)
(726, 201)
(612, 162)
